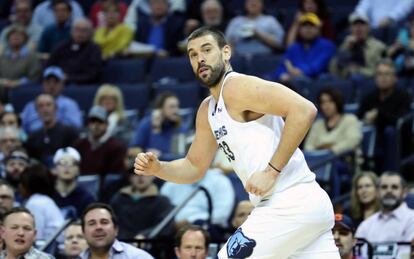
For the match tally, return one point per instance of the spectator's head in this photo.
(82, 31)
(254, 8)
(9, 140)
(18, 231)
(159, 8)
(35, 179)
(10, 119)
(364, 193)
(310, 27)
(53, 81)
(16, 37)
(75, 241)
(15, 164)
(97, 122)
(385, 75)
(23, 9)
(331, 102)
(141, 183)
(191, 242)
(212, 12)
(66, 161)
(359, 26)
(46, 108)
(169, 105)
(111, 98)
(100, 226)
(343, 233)
(62, 10)
(243, 210)
(392, 190)
(208, 67)
(6, 197)
(314, 6)
(112, 14)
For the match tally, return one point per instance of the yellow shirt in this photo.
(114, 41)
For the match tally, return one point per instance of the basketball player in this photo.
(243, 117)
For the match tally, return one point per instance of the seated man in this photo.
(310, 55)
(192, 241)
(18, 245)
(395, 221)
(68, 111)
(7, 198)
(196, 210)
(71, 198)
(343, 233)
(101, 154)
(141, 198)
(100, 227)
(79, 57)
(44, 142)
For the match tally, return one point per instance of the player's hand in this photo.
(147, 164)
(261, 182)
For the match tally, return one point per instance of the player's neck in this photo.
(216, 89)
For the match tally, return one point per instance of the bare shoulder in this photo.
(202, 113)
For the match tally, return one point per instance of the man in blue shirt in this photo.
(310, 55)
(68, 111)
(100, 227)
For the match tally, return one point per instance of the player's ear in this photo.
(227, 52)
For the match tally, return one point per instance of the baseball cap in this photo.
(356, 17)
(345, 221)
(67, 151)
(18, 155)
(55, 72)
(310, 18)
(98, 112)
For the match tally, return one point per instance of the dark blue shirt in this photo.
(52, 36)
(74, 203)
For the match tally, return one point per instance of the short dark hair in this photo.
(17, 210)
(186, 228)
(392, 173)
(19, 120)
(65, 2)
(386, 62)
(209, 30)
(36, 178)
(99, 205)
(336, 96)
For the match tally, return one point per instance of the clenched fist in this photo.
(147, 164)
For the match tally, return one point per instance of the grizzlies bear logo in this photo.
(240, 246)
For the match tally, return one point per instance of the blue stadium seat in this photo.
(125, 71)
(136, 96)
(82, 94)
(238, 64)
(345, 86)
(188, 93)
(369, 136)
(176, 68)
(262, 65)
(22, 95)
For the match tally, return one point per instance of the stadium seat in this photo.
(188, 93)
(83, 94)
(345, 86)
(136, 96)
(22, 95)
(173, 68)
(369, 135)
(262, 65)
(238, 64)
(125, 71)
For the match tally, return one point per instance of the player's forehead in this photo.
(202, 41)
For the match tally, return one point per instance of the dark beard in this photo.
(215, 77)
(390, 206)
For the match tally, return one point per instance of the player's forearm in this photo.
(179, 171)
(297, 124)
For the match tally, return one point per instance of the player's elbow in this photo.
(308, 111)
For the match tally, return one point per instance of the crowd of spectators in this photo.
(58, 158)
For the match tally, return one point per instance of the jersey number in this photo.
(227, 151)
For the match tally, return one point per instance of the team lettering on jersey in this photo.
(221, 132)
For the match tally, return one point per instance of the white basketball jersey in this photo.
(249, 146)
